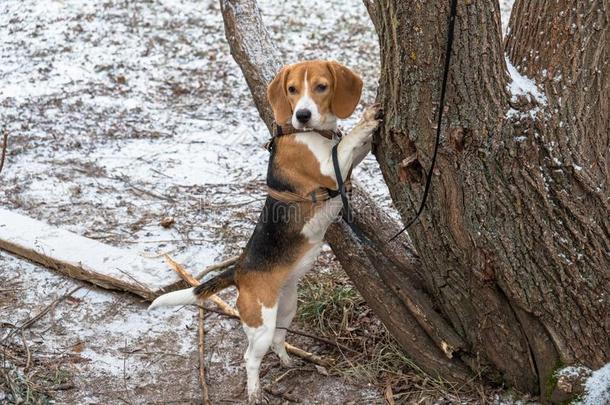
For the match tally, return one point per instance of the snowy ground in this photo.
(121, 113)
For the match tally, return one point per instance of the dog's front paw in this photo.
(363, 131)
(372, 113)
(370, 120)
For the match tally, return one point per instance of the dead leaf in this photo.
(167, 222)
(322, 370)
(78, 347)
(389, 395)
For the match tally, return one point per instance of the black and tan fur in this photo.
(280, 250)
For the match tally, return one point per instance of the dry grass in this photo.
(34, 385)
(17, 389)
(329, 306)
(27, 377)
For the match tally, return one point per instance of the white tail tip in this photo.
(180, 297)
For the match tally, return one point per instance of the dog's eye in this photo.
(292, 89)
(321, 88)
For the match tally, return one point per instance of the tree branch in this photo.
(252, 49)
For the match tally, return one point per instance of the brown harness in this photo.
(317, 196)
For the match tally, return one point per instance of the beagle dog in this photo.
(307, 98)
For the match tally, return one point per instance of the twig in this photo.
(132, 278)
(186, 276)
(321, 339)
(2, 290)
(280, 378)
(63, 387)
(125, 354)
(217, 266)
(27, 352)
(142, 190)
(42, 313)
(4, 147)
(178, 268)
(167, 240)
(313, 358)
(235, 205)
(293, 331)
(228, 310)
(220, 312)
(201, 347)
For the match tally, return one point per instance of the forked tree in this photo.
(506, 275)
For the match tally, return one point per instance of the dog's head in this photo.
(314, 94)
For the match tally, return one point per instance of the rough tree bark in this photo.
(515, 243)
(512, 270)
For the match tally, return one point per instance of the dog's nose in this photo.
(303, 115)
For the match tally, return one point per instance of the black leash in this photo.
(452, 16)
(347, 213)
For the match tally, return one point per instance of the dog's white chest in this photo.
(315, 229)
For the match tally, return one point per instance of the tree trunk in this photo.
(514, 245)
(508, 274)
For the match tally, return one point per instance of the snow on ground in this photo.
(120, 114)
(116, 352)
(597, 387)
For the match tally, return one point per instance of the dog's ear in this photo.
(276, 93)
(347, 90)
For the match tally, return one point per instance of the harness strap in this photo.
(343, 190)
(347, 212)
(278, 130)
(317, 196)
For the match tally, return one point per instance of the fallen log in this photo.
(83, 258)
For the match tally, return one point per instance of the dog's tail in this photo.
(202, 291)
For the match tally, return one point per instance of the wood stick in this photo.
(179, 284)
(178, 268)
(27, 352)
(217, 266)
(46, 310)
(4, 147)
(201, 349)
(313, 358)
(82, 258)
(228, 310)
(322, 339)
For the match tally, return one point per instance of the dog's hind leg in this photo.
(287, 308)
(260, 336)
